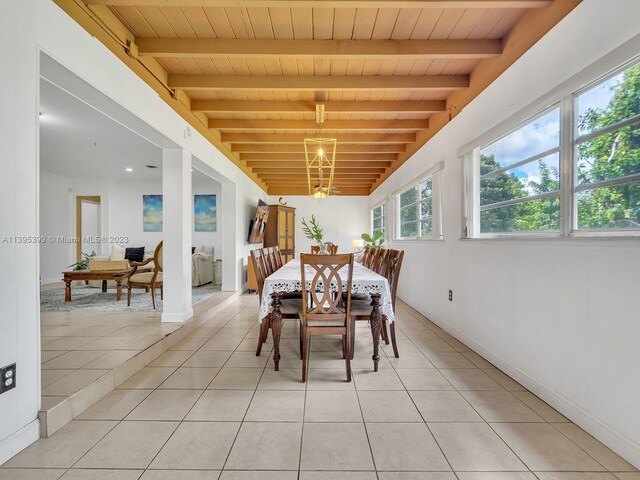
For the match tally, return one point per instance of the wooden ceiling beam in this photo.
(288, 164)
(299, 138)
(265, 148)
(236, 106)
(303, 175)
(303, 171)
(303, 183)
(303, 190)
(297, 157)
(302, 48)
(250, 124)
(332, 3)
(312, 83)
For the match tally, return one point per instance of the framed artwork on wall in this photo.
(151, 213)
(204, 213)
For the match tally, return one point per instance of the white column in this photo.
(231, 267)
(177, 225)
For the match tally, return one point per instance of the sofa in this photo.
(202, 259)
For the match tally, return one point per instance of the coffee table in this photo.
(117, 275)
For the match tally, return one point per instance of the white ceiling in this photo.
(77, 140)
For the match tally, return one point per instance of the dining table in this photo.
(288, 279)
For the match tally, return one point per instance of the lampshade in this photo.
(357, 243)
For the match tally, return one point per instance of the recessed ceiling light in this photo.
(128, 169)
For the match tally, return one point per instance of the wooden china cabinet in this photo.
(281, 230)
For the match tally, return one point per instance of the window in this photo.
(546, 177)
(416, 211)
(607, 150)
(378, 218)
(520, 178)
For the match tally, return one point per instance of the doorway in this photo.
(88, 221)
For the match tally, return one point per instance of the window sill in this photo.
(582, 239)
(411, 240)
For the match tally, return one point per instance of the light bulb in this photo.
(320, 152)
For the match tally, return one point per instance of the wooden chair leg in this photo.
(153, 295)
(264, 332)
(347, 353)
(392, 328)
(128, 295)
(385, 333)
(305, 342)
(162, 293)
(352, 339)
(301, 340)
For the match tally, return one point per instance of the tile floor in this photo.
(78, 348)
(210, 409)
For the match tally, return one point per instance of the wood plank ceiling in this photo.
(392, 72)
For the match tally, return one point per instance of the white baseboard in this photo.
(18, 441)
(619, 443)
(176, 317)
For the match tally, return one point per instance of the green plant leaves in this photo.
(312, 230)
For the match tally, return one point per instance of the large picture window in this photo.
(574, 167)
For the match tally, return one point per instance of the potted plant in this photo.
(84, 263)
(376, 240)
(313, 232)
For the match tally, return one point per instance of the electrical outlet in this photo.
(451, 295)
(7, 378)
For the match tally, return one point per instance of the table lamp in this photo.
(358, 244)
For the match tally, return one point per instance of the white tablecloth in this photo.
(289, 279)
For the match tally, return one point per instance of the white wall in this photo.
(25, 28)
(19, 320)
(342, 219)
(121, 209)
(58, 219)
(560, 316)
(125, 216)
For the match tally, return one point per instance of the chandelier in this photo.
(320, 157)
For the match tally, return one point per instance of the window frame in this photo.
(383, 215)
(564, 97)
(434, 175)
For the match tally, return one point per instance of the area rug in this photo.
(90, 299)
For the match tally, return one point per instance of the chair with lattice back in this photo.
(324, 312)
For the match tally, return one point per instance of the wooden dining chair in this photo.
(366, 256)
(361, 309)
(331, 249)
(290, 307)
(379, 263)
(268, 260)
(324, 312)
(147, 280)
(277, 255)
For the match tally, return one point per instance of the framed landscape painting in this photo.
(204, 211)
(151, 213)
